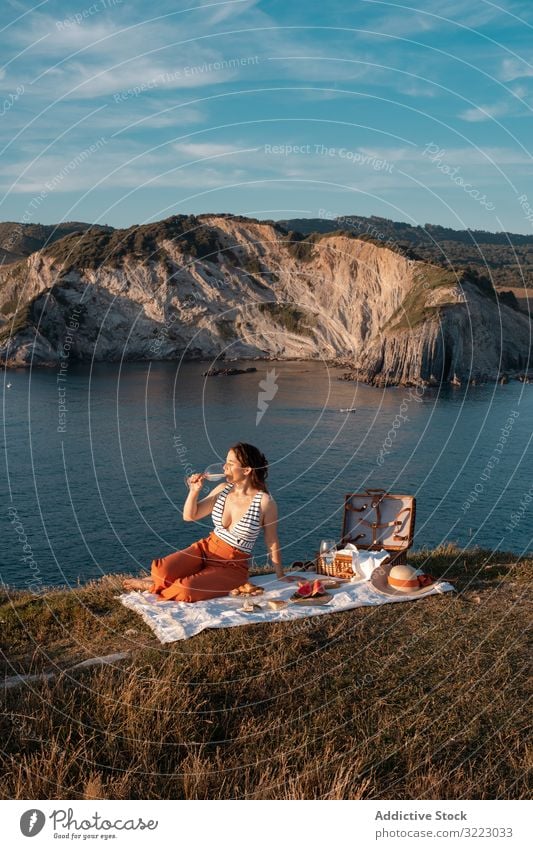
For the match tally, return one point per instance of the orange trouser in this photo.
(206, 569)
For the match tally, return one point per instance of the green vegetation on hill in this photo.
(226, 328)
(291, 318)
(419, 700)
(414, 309)
(142, 243)
(300, 247)
(253, 266)
(21, 319)
(12, 274)
(21, 240)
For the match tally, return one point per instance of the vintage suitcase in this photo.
(373, 520)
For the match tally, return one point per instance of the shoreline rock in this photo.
(227, 371)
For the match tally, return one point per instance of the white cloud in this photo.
(101, 56)
(520, 90)
(513, 69)
(217, 14)
(416, 89)
(431, 16)
(484, 113)
(127, 166)
(484, 156)
(200, 150)
(136, 114)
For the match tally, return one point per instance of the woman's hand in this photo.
(196, 481)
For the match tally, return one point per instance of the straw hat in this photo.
(399, 581)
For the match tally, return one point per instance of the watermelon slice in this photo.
(305, 589)
(318, 588)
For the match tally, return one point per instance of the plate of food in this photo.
(249, 607)
(333, 583)
(245, 590)
(277, 603)
(311, 593)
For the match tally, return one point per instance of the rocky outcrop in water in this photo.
(227, 372)
(227, 287)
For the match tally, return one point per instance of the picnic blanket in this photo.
(171, 620)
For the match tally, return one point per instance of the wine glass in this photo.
(328, 547)
(215, 472)
(356, 565)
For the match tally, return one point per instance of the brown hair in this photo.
(249, 455)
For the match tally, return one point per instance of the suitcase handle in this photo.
(376, 491)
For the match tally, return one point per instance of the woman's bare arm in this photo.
(270, 527)
(194, 509)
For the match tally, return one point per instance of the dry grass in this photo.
(415, 701)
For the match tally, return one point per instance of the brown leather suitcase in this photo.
(376, 519)
(373, 520)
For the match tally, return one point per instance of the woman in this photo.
(219, 563)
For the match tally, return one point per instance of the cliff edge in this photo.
(232, 287)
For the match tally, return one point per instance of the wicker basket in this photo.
(342, 564)
(340, 568)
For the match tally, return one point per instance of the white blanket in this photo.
(171, 620)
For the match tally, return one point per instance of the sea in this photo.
(95, 460)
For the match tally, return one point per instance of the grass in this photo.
(22, 318)
(15, 273)
(300, 247)
(226, 329)
(424, 700)
(291, 318)
(413, 310)
(253, 266)
(142, 243)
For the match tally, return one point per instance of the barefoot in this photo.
(137, 583)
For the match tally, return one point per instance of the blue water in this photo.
(106, 494)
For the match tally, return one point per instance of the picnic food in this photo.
(247, 589)
(276, 603)
(331, 584)
(249, 606)
(311, 593)
(306, 589)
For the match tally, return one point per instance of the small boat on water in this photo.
(348, 410)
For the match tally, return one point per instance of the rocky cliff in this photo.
(230, 287)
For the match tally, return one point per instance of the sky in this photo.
(123, 112)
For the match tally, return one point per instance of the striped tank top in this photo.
(246, 531)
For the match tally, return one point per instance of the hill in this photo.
(422, 700)
(507, 258)
(215, 286)
(18, 241)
